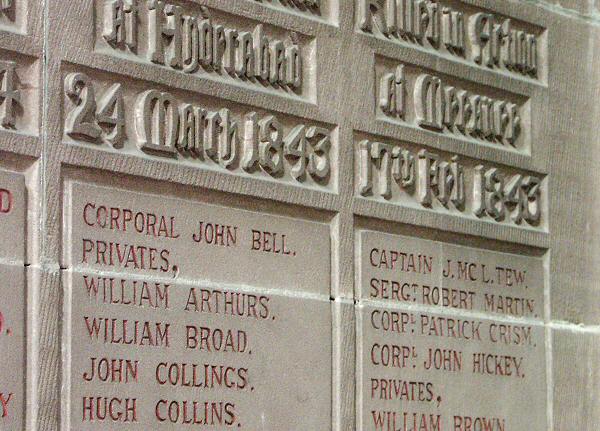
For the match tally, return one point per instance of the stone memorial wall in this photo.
(281, 215)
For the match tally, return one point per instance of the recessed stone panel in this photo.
(402, 270)
(107, 112)
(462, 32)
(418, 370)
(413, 176)
(154, 354)
(196, 40)
(118, 230)
(13, 14)
(13, 205)
(12, 347)
(414, 96)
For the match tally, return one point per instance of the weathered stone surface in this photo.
(13, 206)
(425, 371)
(414, 366)
(122, 231)
(576, 373)
(463, 130)
(13, 343)
(399, 270)
(169, 355)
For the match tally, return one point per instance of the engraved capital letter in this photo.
(229, 139)
(158, 30)
(427, 178)
(391, 92)
(81, 122)
(404, 167)
(433, 32)
(445, 183)
(192, 122)
(453, 30)
(481, 26)
(250, 157)
(244, 65)
(531, 66)
(488, 193)
(270, 148)
(365, 168)
(156, 121)
(120, 23)
(190, 44)
(513, 123)
(365, 11)
(429, 103)
(383, 153)
(278, 62)
(458, 195)
(261, 53)
(294, 66)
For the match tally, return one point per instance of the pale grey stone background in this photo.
(53, 36)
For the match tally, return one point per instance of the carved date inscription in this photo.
(407, 176)
(163, 124)
(427, 342)
(185, 313)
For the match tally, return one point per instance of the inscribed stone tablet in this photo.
(122, 231)
(398, 269)
(12, 215)
(150, 354)
(418, 370)
(12, 347)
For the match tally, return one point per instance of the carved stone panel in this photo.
(416, 177)
(106, 112)
(482, 115)
(402, 270)
(13, 300)
(158, 236)
(299, 215)
(12, 347)
(190, 313)
(204, 42)
(472, 34)
(13, 206)
(449, 337)
(423, 370)
(153, 353)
